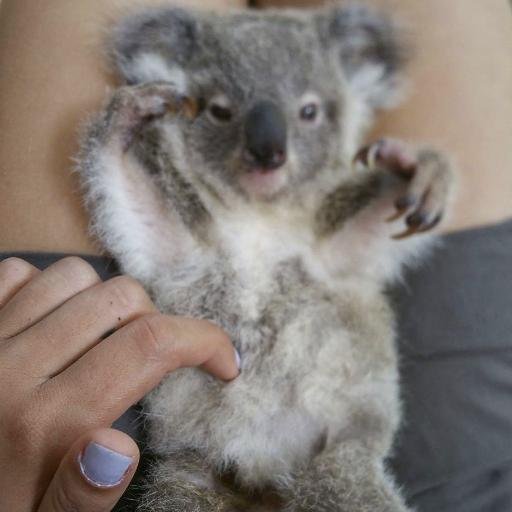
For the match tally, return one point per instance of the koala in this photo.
(227, 174)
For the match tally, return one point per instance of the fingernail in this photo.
(238, 359)
(103, 467)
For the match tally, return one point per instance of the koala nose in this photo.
(266, 136)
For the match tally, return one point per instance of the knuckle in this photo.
(128, 293)
(152, 336)
(24, 429)
(73, 269)
(15, 268)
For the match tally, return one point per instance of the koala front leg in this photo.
(390, 182)
(132, 215)
(185, 483)
(132, 107)
(347, 478)
(429, 179)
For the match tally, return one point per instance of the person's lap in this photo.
(453, 452)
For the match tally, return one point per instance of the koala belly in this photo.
(326, 371)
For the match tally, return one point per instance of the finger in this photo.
(44, 293)
(70, 331)
(14, 274)
(94, 473)
(123, 368)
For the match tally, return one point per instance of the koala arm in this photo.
(128, 184)
(359, 224)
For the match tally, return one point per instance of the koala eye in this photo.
(309, 112)
(221, 113)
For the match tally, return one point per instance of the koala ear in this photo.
(155, 45)
(370, 50)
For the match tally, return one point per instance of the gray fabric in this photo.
(454, 452)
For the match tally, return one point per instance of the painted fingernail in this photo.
(238, 359)
(103, 467)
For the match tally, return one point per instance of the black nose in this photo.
(266, 135)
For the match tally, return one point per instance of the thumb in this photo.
(94, 473)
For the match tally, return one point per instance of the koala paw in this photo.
(134, 106)
(429, 178)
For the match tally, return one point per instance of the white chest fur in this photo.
(256, 242)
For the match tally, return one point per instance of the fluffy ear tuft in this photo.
(371, 50)
(155, 45)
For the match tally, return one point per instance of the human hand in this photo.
(61, 387)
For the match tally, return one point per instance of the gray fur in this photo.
(346, 201)
(294, 272)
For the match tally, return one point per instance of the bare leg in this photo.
(460, 99)
(53, 75)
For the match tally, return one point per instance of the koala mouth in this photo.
(262, 181)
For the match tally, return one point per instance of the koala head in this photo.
(284, 95)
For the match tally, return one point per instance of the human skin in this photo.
(460, 96)
(62, 383)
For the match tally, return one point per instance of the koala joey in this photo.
(222, 176)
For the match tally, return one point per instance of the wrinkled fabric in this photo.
(454, 450)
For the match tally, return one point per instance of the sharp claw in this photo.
(406, 234)
(173, 104)
(405, 202)
(361, 157)
(420, 228)
(415, 223)
(402, 205)
(417, 220)
(368, 155)
(190, 107)
(395, 216)
(373, 155)
(431, 225)
(184, 105)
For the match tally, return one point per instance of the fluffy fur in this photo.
(292, 263)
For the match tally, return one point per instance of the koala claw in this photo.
(393, 155)
(134, 106)
(429, 179)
